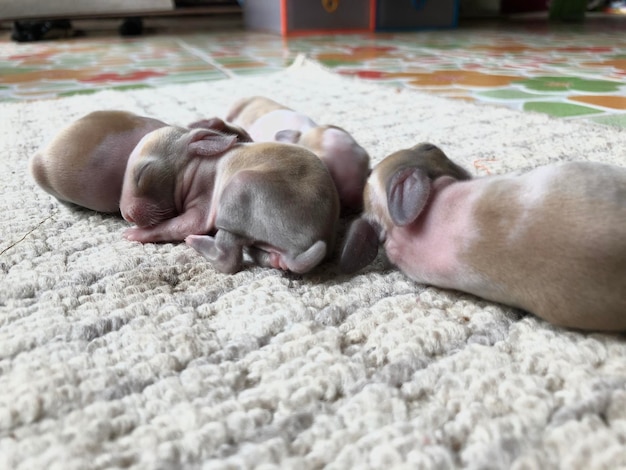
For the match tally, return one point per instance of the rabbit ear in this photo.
(360, 246)
(289, 136)
(218, 124)
(209, 143)
(407, 193)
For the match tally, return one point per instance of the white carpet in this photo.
(120, 355)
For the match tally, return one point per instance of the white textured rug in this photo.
(120, 355)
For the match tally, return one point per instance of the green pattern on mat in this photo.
(618, 120)
(509, 94)
(559, 109)
(552, 83)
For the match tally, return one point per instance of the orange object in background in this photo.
(297, 17)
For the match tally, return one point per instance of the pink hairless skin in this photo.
(348, 162)
(551, 241)
(274, 201)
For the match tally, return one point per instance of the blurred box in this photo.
(416, 14)
(523, 6)
(299, 17)
(567, 10)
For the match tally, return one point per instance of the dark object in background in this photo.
(28, 30)
(416, 14)
(45, 30)
(594, 5)
(522, 6)
(205, 3)
(567, 10)
(132, 26)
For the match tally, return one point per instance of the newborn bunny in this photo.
(551, 241)
(276, 201)
(85, 163)
(348, 162)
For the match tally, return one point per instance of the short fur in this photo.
(85, 162)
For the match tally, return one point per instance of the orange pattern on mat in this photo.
(460, 77)
(617, 63)
(613, 102)
(45, 75)
(503, 48)
(359, 54)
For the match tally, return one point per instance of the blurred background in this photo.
(562, 58)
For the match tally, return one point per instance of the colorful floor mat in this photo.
(569, 70)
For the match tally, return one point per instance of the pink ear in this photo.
(213, 123)
(208, 143)
(407, 194)
(288, 135)
(218, 124)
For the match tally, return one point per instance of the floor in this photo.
(569, 70)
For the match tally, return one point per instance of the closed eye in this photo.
(139, 172)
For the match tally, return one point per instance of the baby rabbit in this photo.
(275, 201)
(551, 241)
